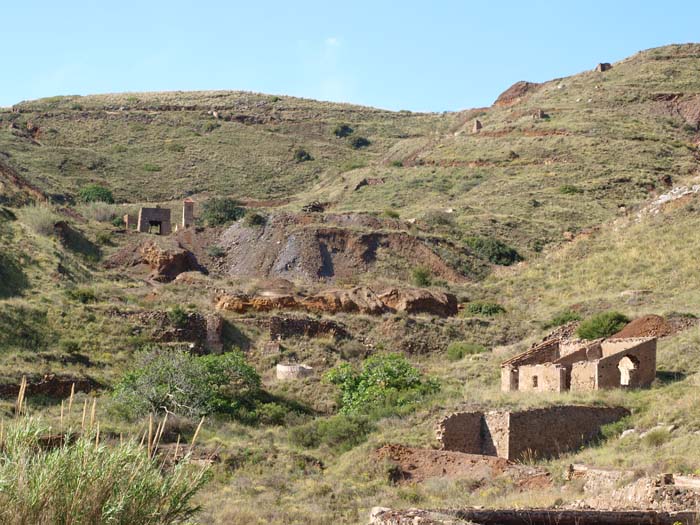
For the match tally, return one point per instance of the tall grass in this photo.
(76, 478)
(39, 218)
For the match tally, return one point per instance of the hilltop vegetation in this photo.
(539, 219)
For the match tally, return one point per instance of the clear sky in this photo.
(418, 55)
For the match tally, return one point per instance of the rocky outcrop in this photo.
(515, 93)
(420, 301)
(357, 300)
(166, 259)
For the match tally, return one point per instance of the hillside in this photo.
(575, 197)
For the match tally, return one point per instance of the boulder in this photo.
(420, 301)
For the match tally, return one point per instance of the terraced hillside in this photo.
(450, 247)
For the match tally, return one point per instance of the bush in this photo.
(342, 131)
(486, 308)
(421, 276)
(457, 350)
(216, 251)
(656, 437)
(255, 219)
(151, 167)
(82, 295)
(493, 250)
(562, 318)
(221, 210)
(178, 316)
(86, 482)
(600, 325)
(384, 382)
(570, 189)
(40, 219)
(104, 238)
(341, 432)
(360, 142)
(301, 155)
(397, 164)
(95, 193)
(118, 222)
(188, 385)
(392, 214)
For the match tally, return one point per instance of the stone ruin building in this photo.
(534, 433)
(157, 220)
(559, 365)
(603, 67)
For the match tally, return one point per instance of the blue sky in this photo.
(422, 56)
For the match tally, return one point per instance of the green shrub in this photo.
(397, 164)
(40, 219)
(493, 250)
(563, 318)
(178, 316)
(95, 193)
(570, 189)
(421, 276)
(383, 382)
(600, 325)
(341, 432)
(360, 142)
(104, 238)
(392, 214)
(457, 350)
(118, 222)
(86, 482)
(151, 167)
(216, 251)
(82, 295)
(342, 131)
(119, 148)
(211, 126)
(613, 430)
(486, 308)
(221, 210)
(301, 155)
(187, 385)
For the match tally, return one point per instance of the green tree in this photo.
(384, 381)
(221, 210)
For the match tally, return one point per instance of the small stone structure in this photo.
(293, 371)
(187, 213)
(557, 365)
(477, 126)
(155, 220)
(603, 67)
(215, 328)
(539, 432)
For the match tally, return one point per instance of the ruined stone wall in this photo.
(461, 432)
(613, 346)
(584, 376)
(286, 327)
(509, 379)
(495, 434)
(643, 353)
(547, 432)
(292, 371)
(160, 215)
(541, 378)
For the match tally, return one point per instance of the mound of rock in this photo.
(418, 300)
(357, 300)
(166, 259)
(515, 93)
(645, 326)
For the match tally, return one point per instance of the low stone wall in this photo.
(461, 432)
(286, 327)
(541, 432)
